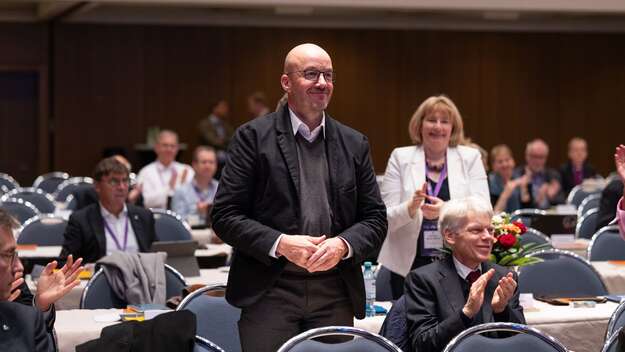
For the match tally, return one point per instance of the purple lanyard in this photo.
(439, 184)
(199, 194)
(114, 236)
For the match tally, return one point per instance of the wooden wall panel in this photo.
(112, 82)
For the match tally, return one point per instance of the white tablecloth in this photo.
(579, 329)
(612, 274)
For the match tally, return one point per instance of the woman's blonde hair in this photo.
(431, 104)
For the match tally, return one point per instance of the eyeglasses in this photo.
(9, 256)
(313, 75)
(114, 182)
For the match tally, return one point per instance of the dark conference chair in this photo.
(43, 230)
(99, 295)
(50, 181)
(561, 274)
(516, 338)
(7, 183)
(607, 244)
(587, 224)
(68, 186)
(169, 226)
(40, 199)
(204, 345)
(22, 210)
(216, 318)
(364, 341)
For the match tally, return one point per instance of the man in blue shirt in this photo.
(193, 200)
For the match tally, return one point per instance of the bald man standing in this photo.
(299, 203)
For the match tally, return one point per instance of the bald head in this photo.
(308, 80)
(299, 54)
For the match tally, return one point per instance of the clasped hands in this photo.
(430, 210)
(503, 293)
(312, 253)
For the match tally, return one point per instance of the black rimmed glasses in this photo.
(313, 75)
(114, 182)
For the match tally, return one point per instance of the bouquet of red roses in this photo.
(507, 249)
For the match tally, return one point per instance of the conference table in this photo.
(579, 329)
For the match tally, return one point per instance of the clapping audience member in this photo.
(111, 224)
(543, 182)
(577, 168)
(23, 328)
(159, 179)
(194, 200)
(619, 161)
(463, 289)
(506, 193)
(419, 179)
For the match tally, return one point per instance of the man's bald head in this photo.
(295, 58)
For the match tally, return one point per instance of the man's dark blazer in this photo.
(567, 178)
(258, 199)
(434, 300)
(85, 237)
(23, 329)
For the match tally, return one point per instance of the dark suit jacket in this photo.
(26, 298)
(258, 199)
(26, 329)
(567, 179)
(610, 196)
(85, 237)
(434, 302)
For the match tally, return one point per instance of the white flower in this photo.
(497, 219)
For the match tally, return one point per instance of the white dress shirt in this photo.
(118, 225)
(462, 269)
(154, 179)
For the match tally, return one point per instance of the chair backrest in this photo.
(216, 318)
(617, 321)
(40, 199)
(364, 341)
(43, 230)
(579, 192)
(50, 181)
(606, 244)
(21, 209)
(383, 291)
(525, 215)
(99, 295)
(611, 344)
(204, 345)
(534, 236)
(590, 202)
(587, 224)
(561, 274)
(515, 338)
(7, 183)
(169, 226)
(68, 186)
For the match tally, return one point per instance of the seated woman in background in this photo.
(419, 179)
(619, 161)
(506, 193)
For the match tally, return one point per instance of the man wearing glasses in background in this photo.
(22, 327)
(299, 203)
(109, 225)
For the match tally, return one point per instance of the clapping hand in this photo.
(476, 294)
(53, 285)
(432, 210)
(417, 200)
(503, 293)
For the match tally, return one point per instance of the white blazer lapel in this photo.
(455, 174)
(417, 169)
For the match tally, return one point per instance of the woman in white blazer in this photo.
(452, 171)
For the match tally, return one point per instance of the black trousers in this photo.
(295, 304)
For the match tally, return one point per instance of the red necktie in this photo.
(473, 276)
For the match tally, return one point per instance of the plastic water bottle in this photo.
(369, 277)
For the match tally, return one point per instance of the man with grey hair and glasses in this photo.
(463, 289)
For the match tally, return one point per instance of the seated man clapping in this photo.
(463, 289)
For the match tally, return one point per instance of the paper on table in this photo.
(106, 318)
